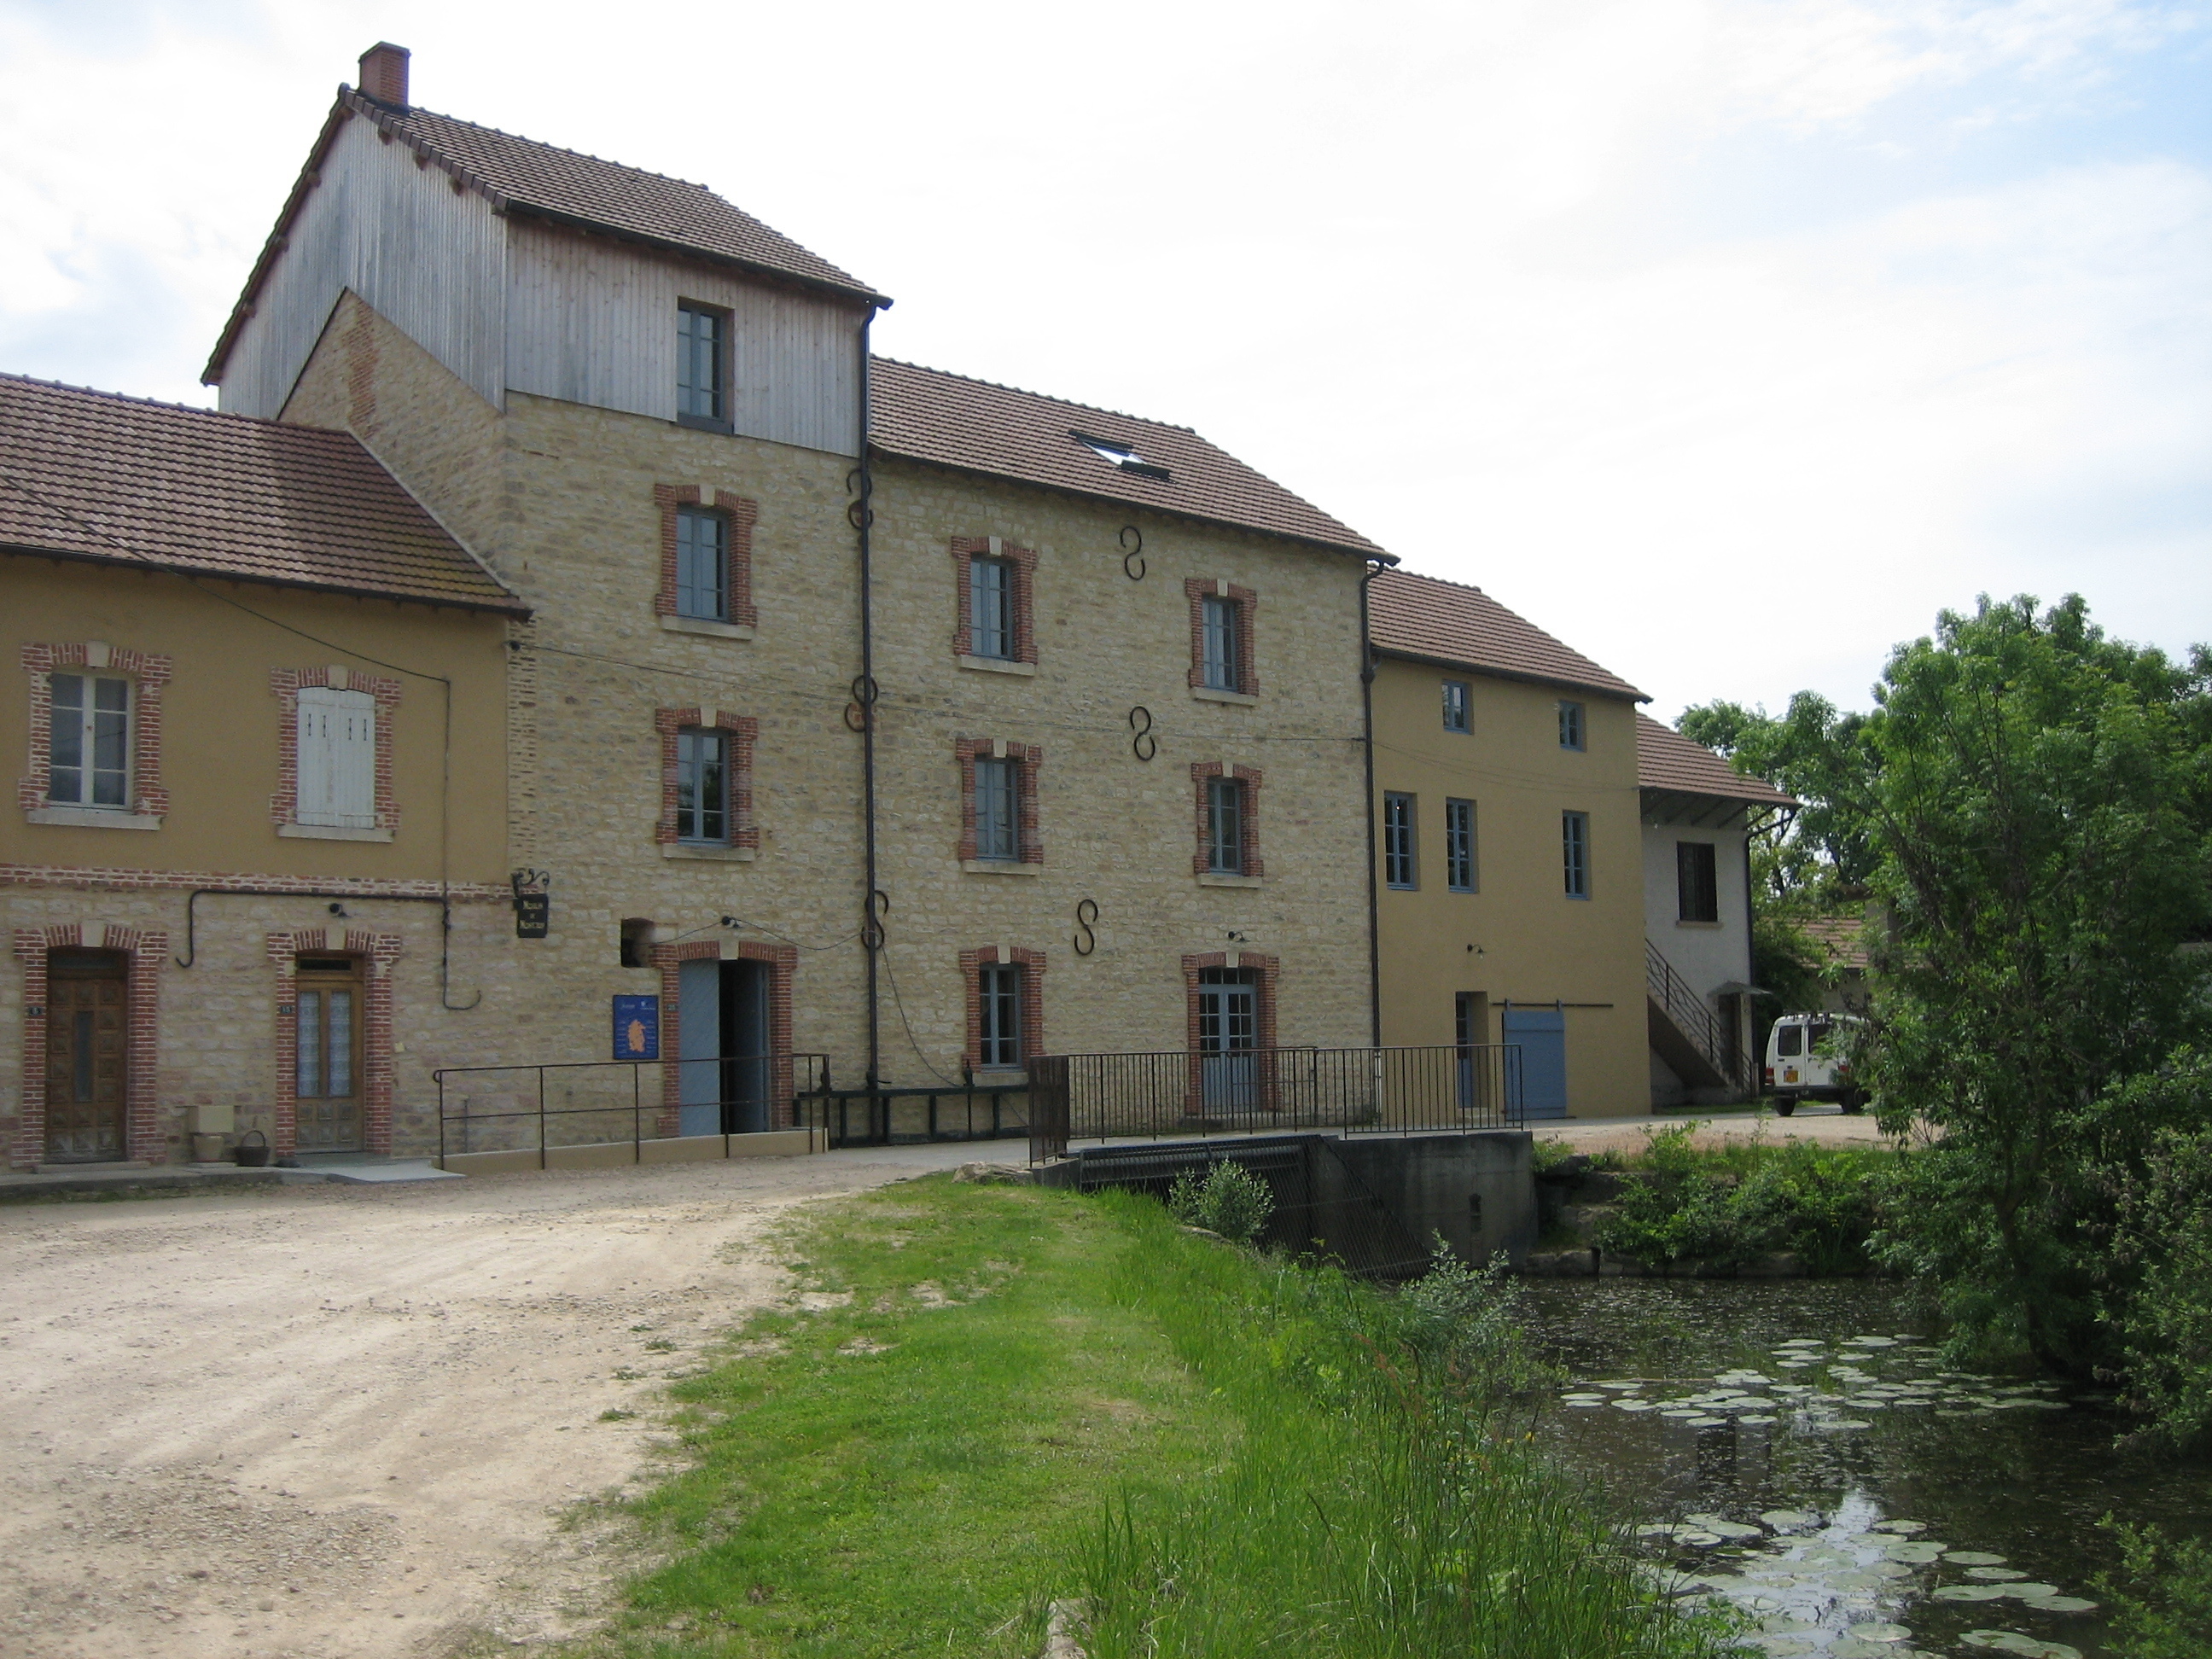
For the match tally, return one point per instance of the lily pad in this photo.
(1996, 1575)
(2062, 1604)
(1898, 1526)
(1876, 1631)
(2030, 1592)
(1916, 1554)
(1703, 1422)
(1974, 1559)
(1788, 1520)
(2028, 1647)
(1631, 1405)
(1967, 1593)
(1758, 1419)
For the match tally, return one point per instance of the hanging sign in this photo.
(637, 1028)
(533, 904)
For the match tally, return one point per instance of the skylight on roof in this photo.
(1120, 455)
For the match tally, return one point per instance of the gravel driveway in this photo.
(344, 1420)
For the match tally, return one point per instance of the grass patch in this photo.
(990, 1397)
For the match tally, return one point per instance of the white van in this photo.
(1808, 1057)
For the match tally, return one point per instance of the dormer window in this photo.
(1120, 455)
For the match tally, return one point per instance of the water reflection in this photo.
(1802, 1449)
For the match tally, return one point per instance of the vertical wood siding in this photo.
(432, 262)
(593, 321)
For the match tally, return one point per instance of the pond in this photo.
(1804, 1449)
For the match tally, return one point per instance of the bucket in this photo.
(252, 1157)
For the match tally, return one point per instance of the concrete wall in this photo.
(1518, 937)
(1478, 1190)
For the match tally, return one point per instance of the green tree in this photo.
(2029, 803)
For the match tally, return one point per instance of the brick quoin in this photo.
(1266, 969)
(376, 952)
(1199, 590)
(1030, 760)
(146, 949)
(741, 515)
(149, 673)
(1201, 772)
(783, 963)
(1032, 963)
(744, 832)
(1023, 560)
(287, 683)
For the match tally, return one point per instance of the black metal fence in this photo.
(911, 1116)
(1149, 1096)
(538, 1108)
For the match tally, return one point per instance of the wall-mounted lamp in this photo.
(340, 910)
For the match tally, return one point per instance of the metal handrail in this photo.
(1691, 1015)
(815, 1068)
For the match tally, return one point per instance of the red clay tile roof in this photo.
(92, 475)
(1416, 616)
(1665, 759)
(1843, 939)
(949, 420)
(558, 184)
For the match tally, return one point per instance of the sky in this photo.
(1728, 340)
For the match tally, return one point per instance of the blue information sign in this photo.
(637, 1028)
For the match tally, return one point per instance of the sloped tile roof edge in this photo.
(1666, 761)
(1351, 542)
(350, 105)
(1504, 634)
(125, 557)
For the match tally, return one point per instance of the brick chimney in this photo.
(383, 74)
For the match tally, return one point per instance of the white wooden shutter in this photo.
(338, 758)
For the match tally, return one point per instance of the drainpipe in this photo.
(871, 934)
(1367, 750)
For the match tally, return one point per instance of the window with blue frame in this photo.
(702, 564)
(1571, 725)
(1458, 693)
(702, 352)
(1459, 845)
(1399, 869)
(1574, 842)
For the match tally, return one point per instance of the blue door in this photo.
(1542, 1033)
(1228, 1033)
(699, 1047)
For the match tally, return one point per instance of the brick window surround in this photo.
(1032, 759)
(741, 515)
(1265, 970)
(1201, 773)
(783, 967)
(1199, 590)
(288, 684)
(149, 675)
(147, 949)
(1031, 963)
(1022, 563)
(742, 731)
(376, 952)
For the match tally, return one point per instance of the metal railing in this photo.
(1693, 1017)
(562, 1104)
(1179, 1092)
(911, 1116)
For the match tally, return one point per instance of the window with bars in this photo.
(701, 341)
(1697, 882)
(1459, 845)
(998, 808)
(1398, 850)
(702, 564)
(1574, 844)
(1219, 625)
(990, 608)
(1458, 693)
(1571, 726)
(1226, 804)
(89, 746)
(702, 787)
(999, 1004)
(326, 1026)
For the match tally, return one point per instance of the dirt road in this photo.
(343, 1421)
(1830, 1125)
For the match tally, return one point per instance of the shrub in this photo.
(1229, 1200)
(1732, 1204)
(2162, 1605)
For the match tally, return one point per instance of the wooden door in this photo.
(87, 1056)
(329, 1057)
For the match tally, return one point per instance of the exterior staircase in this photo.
(1686, 1032)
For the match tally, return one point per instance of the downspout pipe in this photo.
(866, 693)
(1367, 748)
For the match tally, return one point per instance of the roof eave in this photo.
(513, 608)
(1365, 551)
(864, 296)
(1560, 681)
